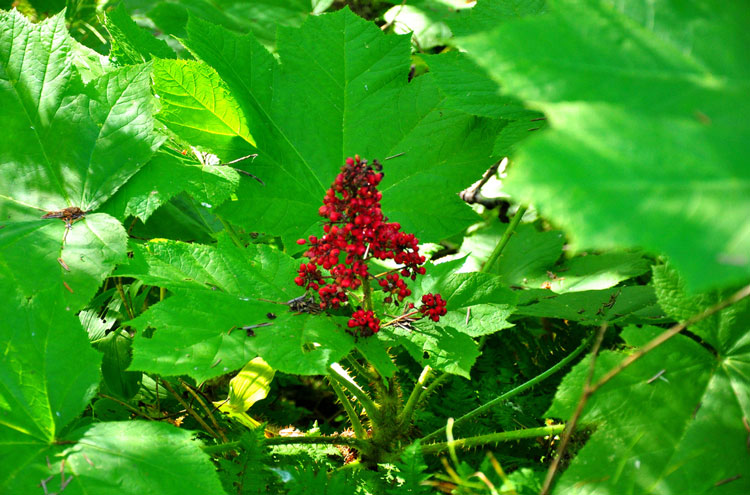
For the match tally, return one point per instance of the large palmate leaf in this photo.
(48, 374)
(137, 457)
(261, 17)
(341, 88)
(215, 292)
(72, 146)
(648, 105)
(196, 105)
(673, 421)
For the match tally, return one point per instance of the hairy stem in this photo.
(503, 436)
(361, 370)
(339, 374)
(513, 392)
(359, 431)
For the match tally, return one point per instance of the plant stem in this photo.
(121, 291)
(190, 410)
(416, 393)
(513, 392)
(435, 384)
(232, 233)
(352, 442)
(339, 374)
(359, 431)
(126, 405)
(361, 370)
(205, 408)
(366, 292)
(579, 409)
(509, 231)
(503, 436)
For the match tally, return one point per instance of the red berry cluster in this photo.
(364, 322)
(433, 305)
(356, 230)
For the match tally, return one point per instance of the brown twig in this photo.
(127, 406)
(587, 391)
(190, 410)
(205, 408)
(473, 194)
(654, 343)
(735, 298)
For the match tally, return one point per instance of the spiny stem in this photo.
(416, 393)
(339, 374)
(503, 436)
(513, 392)
(361, 370)
(359, 431)
(435, 384)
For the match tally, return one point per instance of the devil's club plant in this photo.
(173, 282)
(357, 231)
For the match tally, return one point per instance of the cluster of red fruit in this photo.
(357, 230)
(433, 305)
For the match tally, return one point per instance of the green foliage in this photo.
(130, 43)
(216, 291)
(647, 106)
(321, 104)
(412, 471)
(168, 255)
(669, 420)
(136, 457)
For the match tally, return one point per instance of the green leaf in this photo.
(470, 89)
(197, 106)
(339, 78)
(477, 303)
(72, 146)
(412, 470)
(439, 346)
(647, 105)
(679, 432)
(530, 258)
(261, 17)
(155, 184)
(215, 292)
(680, 304)
(424, 20)
(117, 357)
(48, 374)
(136, 457)
(132, 44)
(635, 304)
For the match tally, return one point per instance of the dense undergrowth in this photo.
(374, 247)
